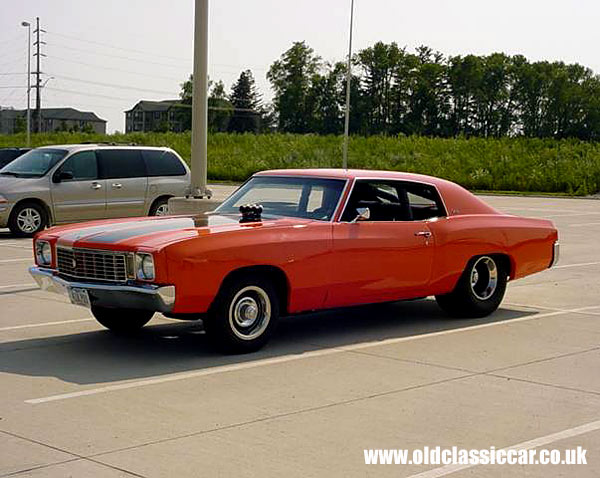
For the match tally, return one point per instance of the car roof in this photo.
(85, 146)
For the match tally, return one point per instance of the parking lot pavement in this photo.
(78, 402)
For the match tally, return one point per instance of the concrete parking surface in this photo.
(77, 401)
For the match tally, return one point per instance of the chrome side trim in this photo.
(555, 254)
(378, 178)
(147, 297)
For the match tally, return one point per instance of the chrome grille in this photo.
(92, 264)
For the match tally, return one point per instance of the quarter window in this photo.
(162, 163)
(121, 163)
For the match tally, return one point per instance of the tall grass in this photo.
(506, 164)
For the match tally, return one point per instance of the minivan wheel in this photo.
(160, 207)
(27, 219)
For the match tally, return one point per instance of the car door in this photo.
(126, 182)
(79, 195)
(388, 257)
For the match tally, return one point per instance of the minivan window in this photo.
(34, 164)
(82, 166)
(162, 163)
(121, 163)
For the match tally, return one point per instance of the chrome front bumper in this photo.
(145, 297)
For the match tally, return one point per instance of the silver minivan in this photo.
(62, 184)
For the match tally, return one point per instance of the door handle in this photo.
(96, 186)
(117, 185)
(425, 234)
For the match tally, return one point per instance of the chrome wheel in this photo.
(29, 220)
(162, 210)
(484, 278)
(250, 313)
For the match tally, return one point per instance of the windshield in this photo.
(33, 164)
(310, 198)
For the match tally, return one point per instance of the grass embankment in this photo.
(529, 165)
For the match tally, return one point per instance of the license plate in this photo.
(79, 297)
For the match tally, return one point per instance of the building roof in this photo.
(65, 114)
(152, 106)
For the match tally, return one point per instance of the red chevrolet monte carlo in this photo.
(292, 241)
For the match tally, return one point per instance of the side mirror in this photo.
(364, 214)
(62, 176)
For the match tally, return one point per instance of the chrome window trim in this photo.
(304, 176)
(379, 178)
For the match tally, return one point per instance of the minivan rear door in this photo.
(126, 182)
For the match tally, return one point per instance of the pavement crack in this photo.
(545, 384)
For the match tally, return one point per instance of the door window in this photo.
(83, 166)
(121, 163)
(394, 201)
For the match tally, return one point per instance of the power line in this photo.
(112, 85)
(115, 98)
(89, 52)
(117, 47)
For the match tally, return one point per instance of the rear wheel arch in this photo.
(157, 201)
(276, 275)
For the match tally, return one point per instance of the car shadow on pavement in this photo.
(99, 357)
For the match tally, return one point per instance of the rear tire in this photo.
(160, 207)
(27, 219)
(244, 315)
(479, 291)
(122, 321)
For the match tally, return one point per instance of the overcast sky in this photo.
(154, 40)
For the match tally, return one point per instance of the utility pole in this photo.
(38, 86)
(28, 25)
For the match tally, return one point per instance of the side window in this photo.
(121, 163)
(424, 201)
(386, 201)
(162, 163)
(83, 166)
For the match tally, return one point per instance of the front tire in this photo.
(244, 315)
(122, 321)
(27, 219)
(479, 291)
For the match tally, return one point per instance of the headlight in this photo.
(43, 253)
(145, 266)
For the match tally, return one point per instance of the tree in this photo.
(291, 78)
(247, 108)
(219, 107)
(20, 124)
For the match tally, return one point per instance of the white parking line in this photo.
(585, 224)
(526, 445)
(12, 286)
(44, 324)
(24, 259)
(287, 358)
(581, 264)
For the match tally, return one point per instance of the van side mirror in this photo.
(364, 214)
(62, 176)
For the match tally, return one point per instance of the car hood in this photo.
(154, 233)
(11, 184)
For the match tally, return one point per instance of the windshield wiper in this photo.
(10, 173)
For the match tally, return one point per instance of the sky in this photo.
(104, 56)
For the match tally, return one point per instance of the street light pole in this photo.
(348, 84)
(28, 25)
(200, 102)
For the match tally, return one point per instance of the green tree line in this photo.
(394, 91)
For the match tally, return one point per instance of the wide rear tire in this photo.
(479, 291)
(122, 321)
(244, 315)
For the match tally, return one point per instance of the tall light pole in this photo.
(28, 25)
(199, 198)
(348, 84)
(200, 102)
